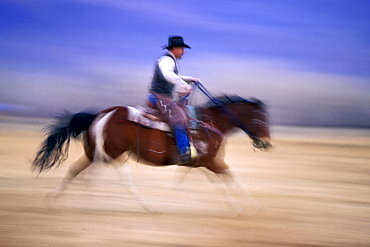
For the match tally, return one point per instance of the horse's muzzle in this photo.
(262, 144)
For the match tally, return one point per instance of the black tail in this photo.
(55, 147)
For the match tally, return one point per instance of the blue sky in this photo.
(308, 60)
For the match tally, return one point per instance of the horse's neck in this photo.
(219, 119)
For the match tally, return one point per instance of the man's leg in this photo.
(183, 144)
(177, 119)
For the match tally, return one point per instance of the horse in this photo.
(112, 132)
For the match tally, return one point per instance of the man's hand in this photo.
(188, 89)
(195, 80)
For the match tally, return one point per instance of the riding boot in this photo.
(182, 141)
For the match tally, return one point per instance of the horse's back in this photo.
(122, 135)
(120, 109)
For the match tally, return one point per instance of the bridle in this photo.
(257, 142)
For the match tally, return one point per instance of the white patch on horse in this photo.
(202, 147)
(98, 129)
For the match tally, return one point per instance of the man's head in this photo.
(177, 51)
(176, 46)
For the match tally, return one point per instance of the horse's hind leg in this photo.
(75, 169)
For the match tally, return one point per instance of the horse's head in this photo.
(253, 113)
(258, 120)
(249, 115)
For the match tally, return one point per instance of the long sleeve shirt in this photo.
(168, 66)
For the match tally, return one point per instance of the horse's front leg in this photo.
(235, 188)
(236, 196)
(125, 175)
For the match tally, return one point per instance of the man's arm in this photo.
(167, 66)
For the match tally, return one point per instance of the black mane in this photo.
(231, 99)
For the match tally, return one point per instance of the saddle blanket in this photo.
(139, 115)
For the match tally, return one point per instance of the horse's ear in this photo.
(257, 101)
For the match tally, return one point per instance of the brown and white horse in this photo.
(110, 133)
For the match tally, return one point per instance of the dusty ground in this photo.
(314, 190)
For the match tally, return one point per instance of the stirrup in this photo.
(185, 159)
(185, 155)
(188, 154)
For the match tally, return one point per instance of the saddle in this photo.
(151, 117)
(200, 132)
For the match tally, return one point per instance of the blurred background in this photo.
(307, 60)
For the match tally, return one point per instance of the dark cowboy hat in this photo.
(174, 41)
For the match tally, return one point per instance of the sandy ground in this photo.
(313, 190)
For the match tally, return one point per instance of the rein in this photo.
(232, 116)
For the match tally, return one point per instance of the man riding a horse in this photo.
(109, 134)
(166, 83)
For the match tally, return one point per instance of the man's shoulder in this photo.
(168, 55)
(166, 58)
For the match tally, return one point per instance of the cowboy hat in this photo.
(175, 41)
